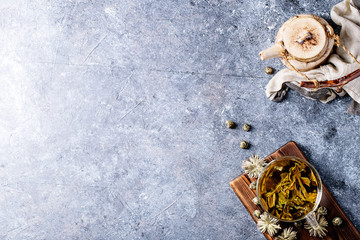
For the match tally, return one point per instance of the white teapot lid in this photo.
(305, 38)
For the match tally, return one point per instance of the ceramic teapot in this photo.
(303, 42)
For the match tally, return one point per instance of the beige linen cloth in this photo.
(347, 15)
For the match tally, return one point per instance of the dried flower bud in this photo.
(230, 124)
(337, 221)
(253, 185)
(257, 213)
(246, 127)
(269, 70)
(322, 210)
(244, 144)
(256, 201)
(298, 224)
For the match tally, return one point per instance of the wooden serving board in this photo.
(346, 231)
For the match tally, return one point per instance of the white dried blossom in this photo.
(253, 185)
(256, 201)
(254, 166)
(320, 230)
(287, 234)
(268, 223)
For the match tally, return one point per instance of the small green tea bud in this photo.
(230, 124)
(244, 144)
(257, 213)
(246, 127)
(337, 221)
(298, 224)
(269, 70)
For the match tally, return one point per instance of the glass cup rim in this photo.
(319, 194)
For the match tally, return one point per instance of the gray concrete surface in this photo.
(112, 117)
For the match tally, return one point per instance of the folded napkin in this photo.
(347, 15)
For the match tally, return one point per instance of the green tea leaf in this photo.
(282, 198)
(313, 178)
(271, 200)
(306, 181)
(289, 190)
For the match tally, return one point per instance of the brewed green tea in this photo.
(288, 189)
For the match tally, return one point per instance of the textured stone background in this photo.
(112, 117)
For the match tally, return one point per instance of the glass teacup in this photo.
(290, 190)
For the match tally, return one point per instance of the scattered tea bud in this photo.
(322, 210)
(337, 221)
(257, 213)
(244, 144)
(256, 201)
(298, 224)
(253, 185)
(246, 127)
(230, 124)
(269, 70)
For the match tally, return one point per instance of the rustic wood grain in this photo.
(346, 231)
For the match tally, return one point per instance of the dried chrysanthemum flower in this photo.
(268, 223)
(253, 185)
(256, 201)
(322, 210)
(320, 230)
(254, 166)
(287, 234)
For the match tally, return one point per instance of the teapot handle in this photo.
(339, 83)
